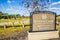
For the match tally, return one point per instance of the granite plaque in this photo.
(43, 21)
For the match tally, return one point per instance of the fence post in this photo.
(23, 25)
(4, 26)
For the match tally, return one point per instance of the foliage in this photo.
(6, 15)
(0, 13)
(58, 24)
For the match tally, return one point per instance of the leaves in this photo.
(27, 4)
(47, 0)
(35, 3)
(41, 0)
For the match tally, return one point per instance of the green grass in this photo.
(13, 29)
(57, 26)
(17, 28)
(13, 20)
(8, 20)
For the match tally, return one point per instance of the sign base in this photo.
(43, 35)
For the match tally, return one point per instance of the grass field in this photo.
(14, 29)
(58, 25)
(13, 20)
(8, 31)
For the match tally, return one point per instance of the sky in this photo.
(18, 7)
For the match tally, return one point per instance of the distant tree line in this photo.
(6, 16)
(14, 16)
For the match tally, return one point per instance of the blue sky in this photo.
(18, 7)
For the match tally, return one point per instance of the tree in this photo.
(5, 15)
(0, 13)
(17, 14)
(36, 6)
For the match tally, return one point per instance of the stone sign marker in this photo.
(43, 26)
(43, 21)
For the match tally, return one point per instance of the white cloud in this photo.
(8, 9)
(9, 1)
(55, 3)
(54, 8)
(13, 1)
